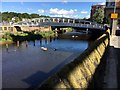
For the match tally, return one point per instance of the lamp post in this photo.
(115, 7)
(114, 22)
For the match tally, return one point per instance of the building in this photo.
(6, 27)
(94, 8)
(110, 6)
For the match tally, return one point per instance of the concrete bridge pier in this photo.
(58, 20)
(56, 32)
(63, 20)
(73, 21)
(68, 20)
(87, 31)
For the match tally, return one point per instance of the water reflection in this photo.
(59, 44)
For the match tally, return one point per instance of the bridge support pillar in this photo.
(87, 31)
(56, 32)
(58, 20)
(63, 20)
(39, 20)
(43, 20)
(68, 20)
(53, 19)
(73, 21)
(50, 28)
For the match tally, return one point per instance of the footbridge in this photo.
(60, 22)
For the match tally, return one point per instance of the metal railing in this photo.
(98, 26)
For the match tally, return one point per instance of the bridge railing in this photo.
(62, 24)
(70, 24)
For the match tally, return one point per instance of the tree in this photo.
(118, 21)
(99, 15)
(17, 19)
(25, 15)
(7, 16)
(34, 15)
(106, 20)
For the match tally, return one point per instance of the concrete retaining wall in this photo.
(27, 28)
(79, 73)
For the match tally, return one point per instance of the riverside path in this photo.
(112, 78)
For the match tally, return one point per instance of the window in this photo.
(9, 28)
(46, 27)
(5, 28)
(0, 28)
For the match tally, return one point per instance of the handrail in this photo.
(99, 26)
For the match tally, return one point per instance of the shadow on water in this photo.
(35, 79)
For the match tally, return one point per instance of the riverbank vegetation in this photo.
(23, 36)
(45, 34)
(33, 35)
(67, 30)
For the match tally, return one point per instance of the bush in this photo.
(45, 33)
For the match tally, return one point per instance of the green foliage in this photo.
(6, 37)
(44, 16)
(67, 29)
(17, 19)
(106, 20)
(98, 16)
(22, 36)
(118, 21)
(34, 15)
(7, 16)
(44, 33)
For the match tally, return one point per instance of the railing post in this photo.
(87, 31)
(68, 20)
(63, 20)
(53, 19)
(58, 20)
(73, 21)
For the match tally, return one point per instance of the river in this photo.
(27, 66)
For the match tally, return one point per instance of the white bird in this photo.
(44, 49)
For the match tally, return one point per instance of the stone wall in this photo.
(27, 28)
(7, 28)
(79, 73)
